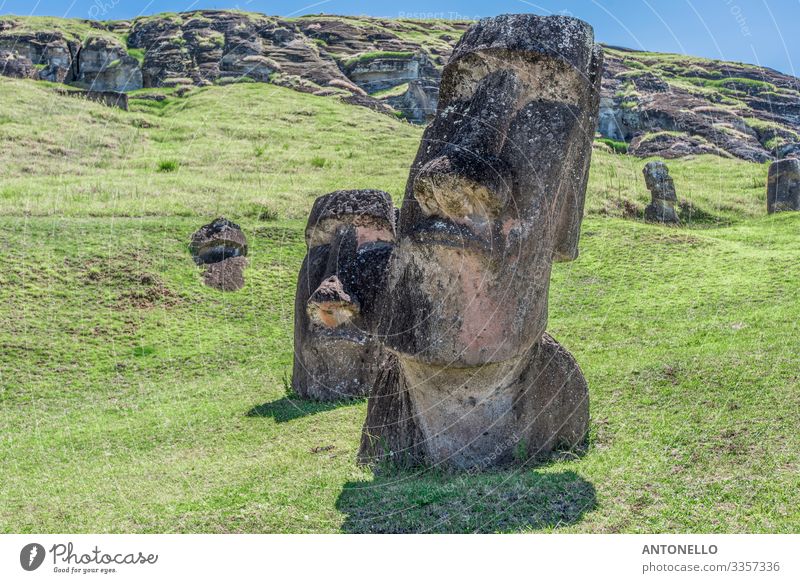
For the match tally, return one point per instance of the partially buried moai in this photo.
(783, 186)
(495, 195)
(662, 191)
(220, 248)
(349, 237)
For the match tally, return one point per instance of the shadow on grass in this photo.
(287, 408)
(433, 502)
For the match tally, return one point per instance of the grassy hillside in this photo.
(133, 398)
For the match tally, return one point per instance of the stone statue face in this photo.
(349, 236)
(496, 192)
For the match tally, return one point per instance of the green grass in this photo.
(71, 27)
(371, 56)
(617, 146)
(134, 399)
(168, 165)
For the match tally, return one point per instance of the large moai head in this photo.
(496, 192)
(783, 186)
(349, 236)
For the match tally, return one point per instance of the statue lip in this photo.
(436, 230)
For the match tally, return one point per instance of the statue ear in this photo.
(568, 230)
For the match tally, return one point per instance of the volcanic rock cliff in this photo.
(652, 103)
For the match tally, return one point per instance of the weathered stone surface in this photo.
(104, 65)
(52, 50)
(220, 248)
(662, 190)
(109, 98)
(350, 234)
(226, 275)
(545, 408)
(216, 241)
(494, 196)
(783, 186)
(18, 66)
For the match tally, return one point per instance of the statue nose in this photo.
(458, 185)
(330, 305)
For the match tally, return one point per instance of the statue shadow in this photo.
(289, 408)
(429, 501)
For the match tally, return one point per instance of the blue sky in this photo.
(763, 32)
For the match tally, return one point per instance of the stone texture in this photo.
(226, 275)
(783, 186)
(494, 196)
(219, 248)
(350, 234)
(662, 191)
(103, 64)
(18, 66)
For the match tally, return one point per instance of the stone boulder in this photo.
(349, 235)
(783, 186)
(219, 248)
(662, 191)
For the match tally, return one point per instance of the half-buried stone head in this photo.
(494, 197)
(349, 235)
(662, 190)
(220, 248)
(783, 186)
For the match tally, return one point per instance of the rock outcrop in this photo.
(658, 104)
(15, 65)
(783, 186)
(103, 64)
(662, 191)
(672, 106)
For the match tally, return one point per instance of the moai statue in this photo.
(495, 195)
(220, 248)
(783, 186)
(349, 235)
(662, 190)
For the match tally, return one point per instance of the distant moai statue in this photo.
(349, 236)
(662, 191)
(783, 186)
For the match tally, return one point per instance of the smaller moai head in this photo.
(783, 186)
(496, 192)
(349, 236)
(662, 194)
(220, 248)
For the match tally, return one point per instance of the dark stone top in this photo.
(369, 202)
(563, 37)
(372, 206)
(789, 167)
(216, 241)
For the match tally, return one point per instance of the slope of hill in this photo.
(252, 148)
(669, 105)
(135, 399)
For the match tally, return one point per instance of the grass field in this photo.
(134, 399)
